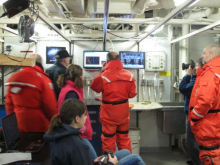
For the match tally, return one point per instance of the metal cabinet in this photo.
(97, 128)
(171, 118)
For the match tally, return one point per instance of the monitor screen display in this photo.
(132, 60)
(94, 59)
(51, 53)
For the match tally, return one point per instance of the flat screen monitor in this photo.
(51, 52)
(132, 60)
(94, 59)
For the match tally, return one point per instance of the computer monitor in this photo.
(51, 53)
(94, 59)
(132, 60)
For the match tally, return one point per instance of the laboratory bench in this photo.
(170, 117)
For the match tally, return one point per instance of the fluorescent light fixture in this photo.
(2, 1)
(196, 32)
(178, 2)
(194, 3)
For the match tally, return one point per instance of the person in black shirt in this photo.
(63, 60)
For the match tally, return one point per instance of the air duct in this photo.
(198, 13)
(140, 5)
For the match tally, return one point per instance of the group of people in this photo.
(55, 99)
(201, 90)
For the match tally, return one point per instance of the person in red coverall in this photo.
(116, 85)
(204, 107)
(31, 96)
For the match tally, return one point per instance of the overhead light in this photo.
(194, 3)
(179, 2)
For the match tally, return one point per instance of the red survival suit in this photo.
(204, 114)
(116, 85)
(31, 96)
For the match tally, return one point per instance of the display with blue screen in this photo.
(51, 54)
(132, 60)
(94, 59)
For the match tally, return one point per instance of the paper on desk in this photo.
(13, 157)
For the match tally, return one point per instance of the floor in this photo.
(166, 157)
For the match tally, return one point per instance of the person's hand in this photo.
(103, 66)
(189, 71)
(98, 159)
(194, 71)
(113, 160)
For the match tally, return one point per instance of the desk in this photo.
(138, 108)
(42, 157)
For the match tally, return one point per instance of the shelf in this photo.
(20, 61)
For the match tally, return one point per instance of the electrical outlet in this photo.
(150, 82)
(143, 82)
(160, 83)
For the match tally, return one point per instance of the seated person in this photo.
(67, 148)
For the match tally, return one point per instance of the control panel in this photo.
(155, 61)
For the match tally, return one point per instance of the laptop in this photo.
(20, 142)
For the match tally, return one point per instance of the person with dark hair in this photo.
(68, 148)
(62, 61)
(204, 106)
(71, 84)
(116, 85)
(31, 96)
(185, 87)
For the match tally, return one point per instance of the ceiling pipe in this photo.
(9, 30)
(208, 3)
(89, 21)
(105, 25)
(196, 32)
(169, 16)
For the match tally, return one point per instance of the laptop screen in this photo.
(10, 129)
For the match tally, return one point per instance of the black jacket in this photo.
(67, 148)
(53, 72)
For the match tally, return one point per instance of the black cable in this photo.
(114, 34)
(4, 14)
(13, 71)
(96, 45)
(135, 37)
(15, 59)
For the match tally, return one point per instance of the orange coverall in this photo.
(31, 96)
(204, 115)
(116, 85)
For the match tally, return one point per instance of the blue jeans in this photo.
(192, 145)
(92, 152)
(126, 158)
